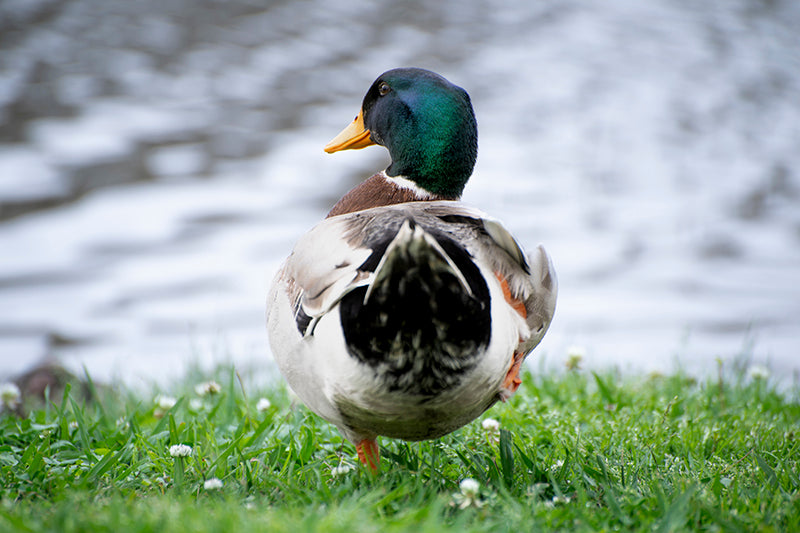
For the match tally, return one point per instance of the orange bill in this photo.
(353, 137)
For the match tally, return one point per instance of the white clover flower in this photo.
(758, 372)
(341, 470)
(73, 424)
(9, 395)
(555, 467)
(560, 500)
(207, 388)
(165, 402)
(469, 487)
(263, 404)
(492, 429)
(195, 404)
(469, 495)
(180, 450)
(212, 484)
(575, 356)
(490, 425)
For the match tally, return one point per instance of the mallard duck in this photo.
(406, 313)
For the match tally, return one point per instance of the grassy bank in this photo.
(576, 451)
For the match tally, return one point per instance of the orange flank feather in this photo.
(518, 305)
(513, 381)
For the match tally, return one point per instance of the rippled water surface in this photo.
(159, 159)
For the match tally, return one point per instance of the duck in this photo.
(405, 313)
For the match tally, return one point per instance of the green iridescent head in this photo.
(425, 122)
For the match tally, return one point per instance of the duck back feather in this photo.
(424, 317)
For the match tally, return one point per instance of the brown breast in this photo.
(375, 192)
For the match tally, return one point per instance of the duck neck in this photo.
(381, 190)
(441, 171)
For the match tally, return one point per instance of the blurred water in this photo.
(159, 158)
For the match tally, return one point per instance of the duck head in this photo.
(425, 122)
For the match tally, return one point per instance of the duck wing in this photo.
(345, 252)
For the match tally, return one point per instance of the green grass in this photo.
(576, 451)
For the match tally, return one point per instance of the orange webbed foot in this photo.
(369, 453)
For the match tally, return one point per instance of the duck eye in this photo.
(383, 88)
